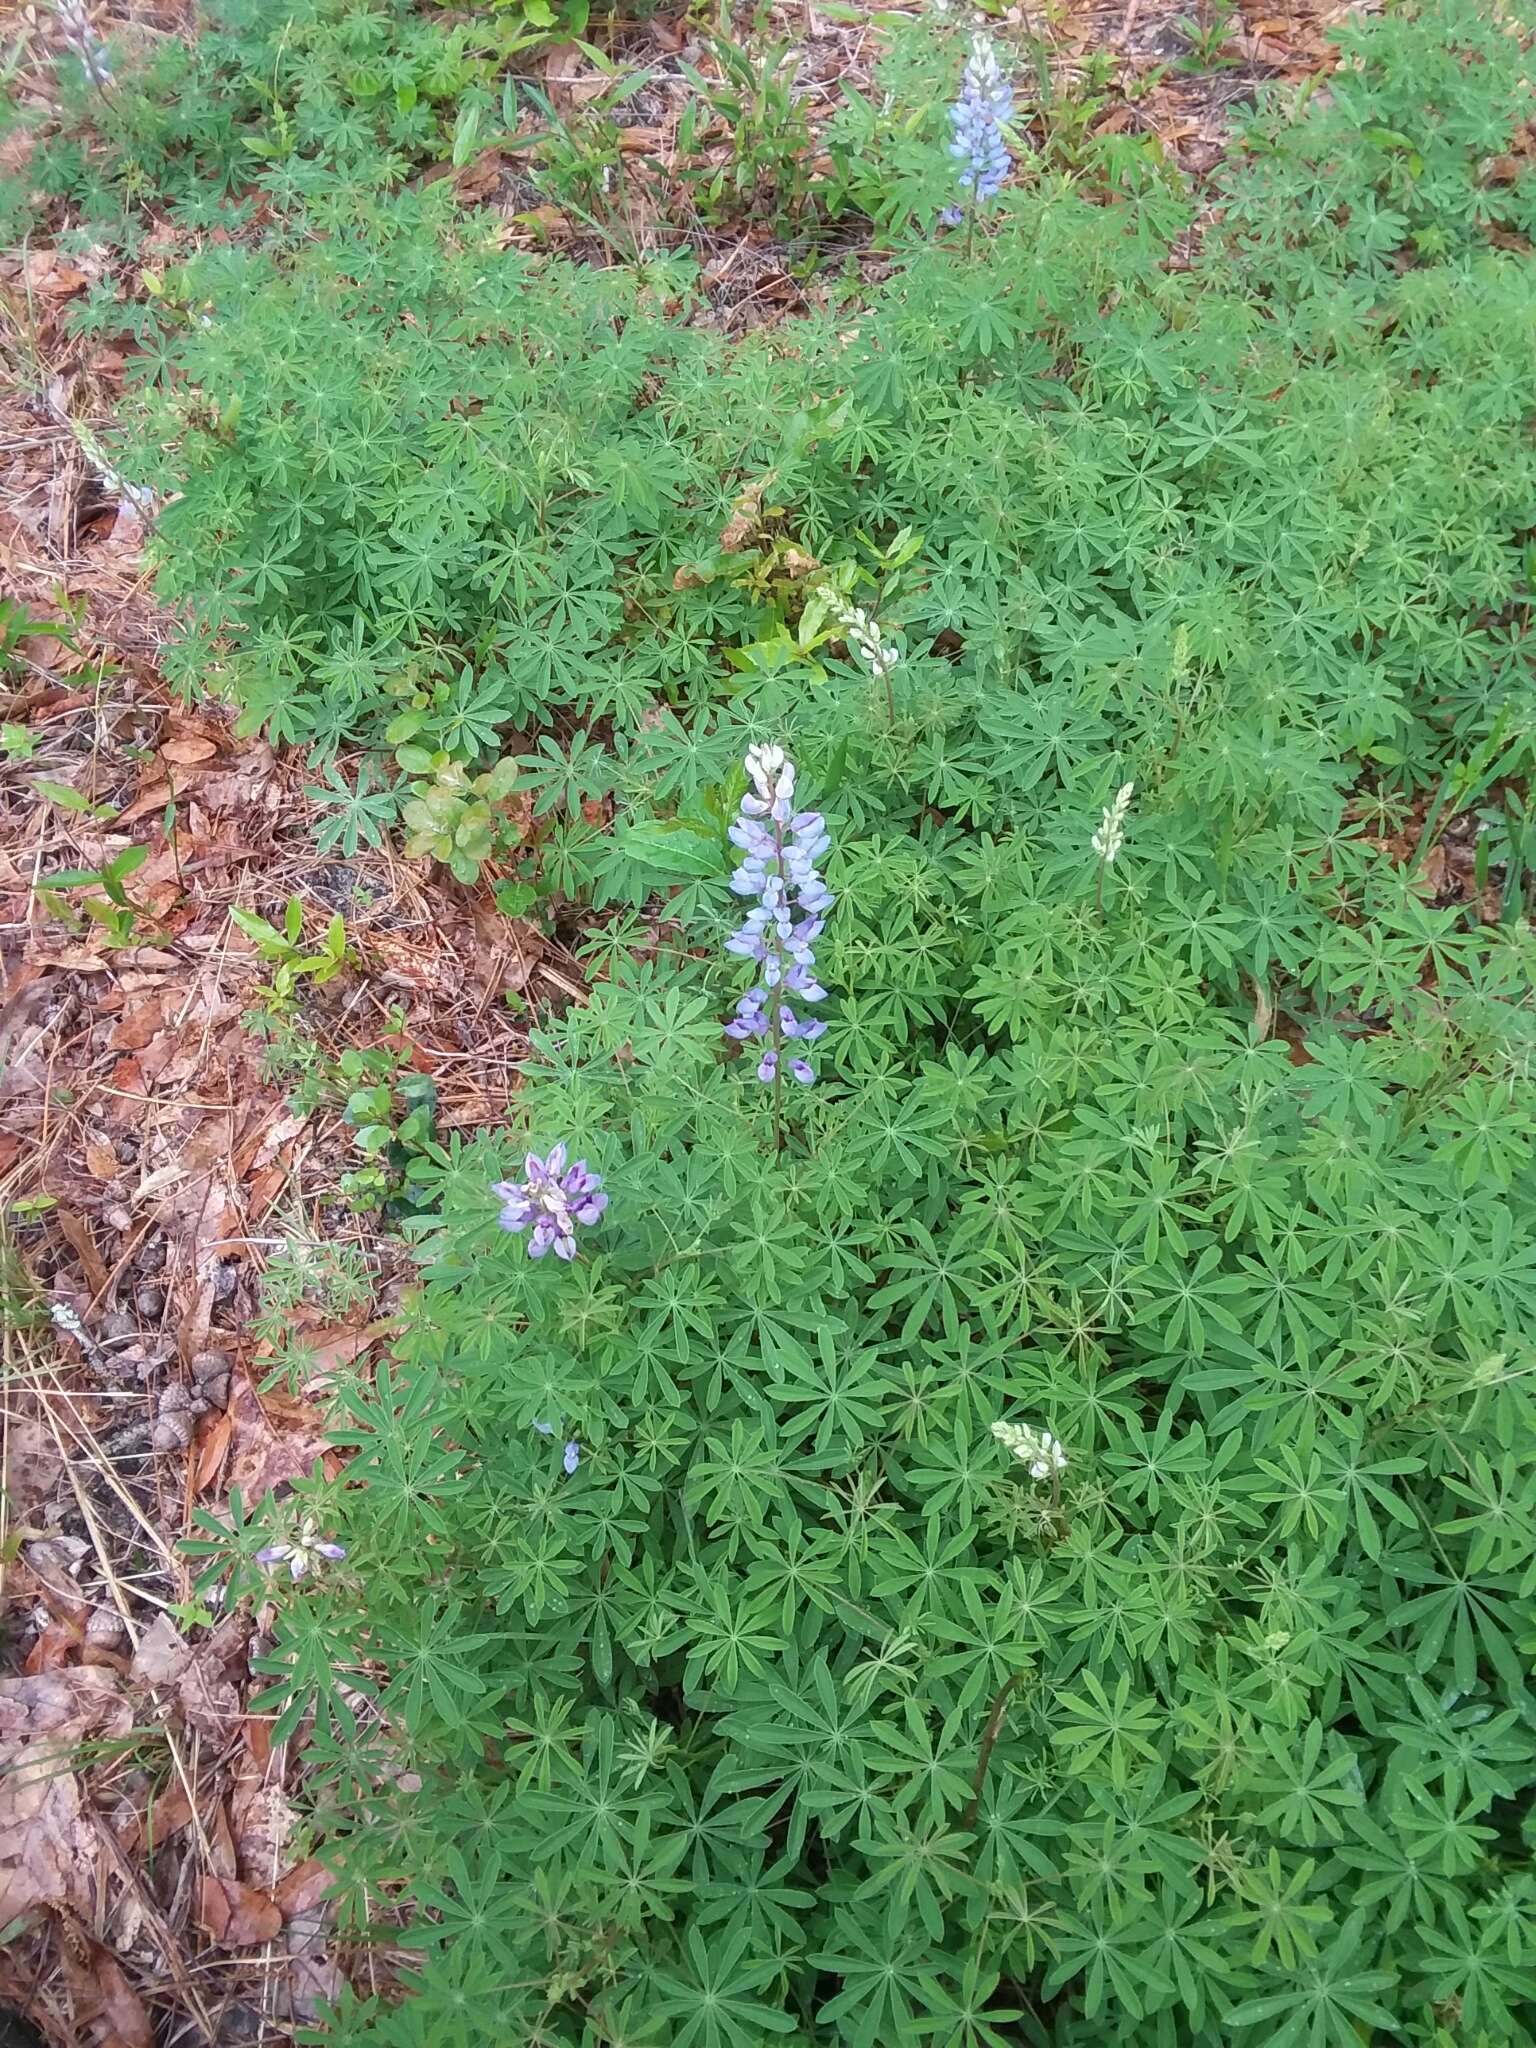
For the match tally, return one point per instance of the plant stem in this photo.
(989, 1737)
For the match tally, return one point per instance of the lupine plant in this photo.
(1043, 1550)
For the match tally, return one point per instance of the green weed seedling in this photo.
(286, 952)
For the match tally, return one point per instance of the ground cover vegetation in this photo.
(1008, 1519)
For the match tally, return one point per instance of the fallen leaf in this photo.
(100, 1159)
(234, 1914)
(303, 1888)
(212, 1450)
(104, 1999)
(48, 1847)
(188, 752)
(163, 1654)
(83, 1245)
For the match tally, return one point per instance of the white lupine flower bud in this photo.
(1036, 1448)
(1110, 837)
(863, 634)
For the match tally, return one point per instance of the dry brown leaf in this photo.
(232, 1913)
(215, 1432)
(303, 1888)
(75, 1229)
(48, 1848)
(163, 1653)
(275, 1441)
(100, 1159)
(104, 2000)
(188, 751)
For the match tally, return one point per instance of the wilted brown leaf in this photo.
(189, 750)
(275, 1441)
(212, 1449)
(55, 1646)
(163, 1653)
(303, 1888)
(105, 2003)
(48, 1849)
(232, 1913)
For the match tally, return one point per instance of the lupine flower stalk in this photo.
(303, 1554)
(1110, 837)
(555, 1199)
(1036, 1448)
(863, 633)
(780, 847)
(978, 118)
(85, 42)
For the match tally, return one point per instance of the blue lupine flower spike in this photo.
(978, 117)
(780, 848)
(555, 1199)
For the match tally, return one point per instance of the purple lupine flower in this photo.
(570, 1457)
(978, 117)
(780, 848)
(303, 1553)
(83, 40)
(554, 1199)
